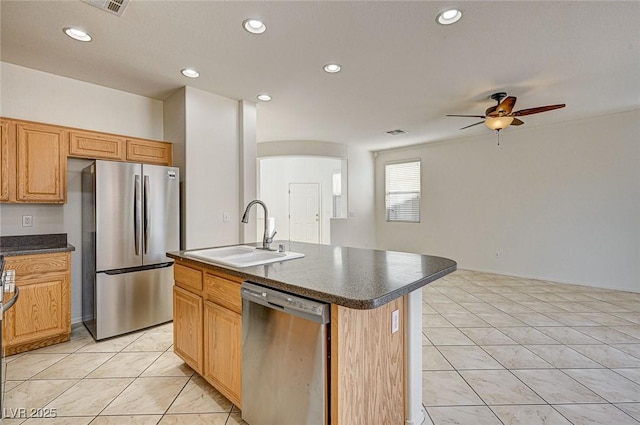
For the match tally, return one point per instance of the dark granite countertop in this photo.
(352, 277)
(34, 244)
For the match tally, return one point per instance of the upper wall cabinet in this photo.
(149, 152)
(4, 160)
(84, 144)
(33, 159)
(41, 167)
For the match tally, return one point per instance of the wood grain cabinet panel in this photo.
(223, 351)
(4, 160)
(42, 314)
(41, 167)
(187, 278)
(83, 144)
(223, 292)
(149, 152)
(187, 327)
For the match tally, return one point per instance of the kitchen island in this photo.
(375, 365)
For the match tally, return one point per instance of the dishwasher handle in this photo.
(315, 311)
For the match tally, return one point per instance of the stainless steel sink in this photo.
(242, 256)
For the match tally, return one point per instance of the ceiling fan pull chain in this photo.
(498, 132)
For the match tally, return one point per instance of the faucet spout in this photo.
(267, 238)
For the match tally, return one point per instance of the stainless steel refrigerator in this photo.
(130, 219)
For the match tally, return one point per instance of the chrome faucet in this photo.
(267, 238)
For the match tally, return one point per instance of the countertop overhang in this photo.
(351, 277)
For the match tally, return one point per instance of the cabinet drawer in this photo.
(187, 278)
(223, 292)
(96, 146)
(26, 265)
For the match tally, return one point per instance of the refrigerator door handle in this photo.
(136, 214)
(147, 215)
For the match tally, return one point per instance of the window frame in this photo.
(386, 192)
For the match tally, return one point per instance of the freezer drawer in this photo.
(127, 302)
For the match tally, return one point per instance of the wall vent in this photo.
(115, 7)
(396, 132)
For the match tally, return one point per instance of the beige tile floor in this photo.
(503, 350)
(496, 350)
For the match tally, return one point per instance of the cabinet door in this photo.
(187, 327)
(223, 351)
(41, 163)
(4, 160)
(84, 144)
(42, 310)
(149, 152)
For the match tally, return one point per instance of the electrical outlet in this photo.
(27, 221)
(395, 321)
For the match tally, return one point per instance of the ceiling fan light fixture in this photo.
(498, 123)
(254, 26)
(77, 34)
(448, 17)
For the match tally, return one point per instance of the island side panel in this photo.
(367, 366)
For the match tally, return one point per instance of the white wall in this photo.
(212, 183)
(361, 227)
(558, 202)
(275, 175)
(37, 96)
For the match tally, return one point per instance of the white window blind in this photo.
(402, 191)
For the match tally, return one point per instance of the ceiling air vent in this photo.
(115, 7)
(396, 132)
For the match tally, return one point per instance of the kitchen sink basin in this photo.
(242, 256)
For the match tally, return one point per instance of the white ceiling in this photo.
(400, 68)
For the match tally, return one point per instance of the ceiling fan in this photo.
(501, 115)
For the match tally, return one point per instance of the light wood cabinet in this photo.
(149, 152)
(84, 144)
(4, 160)
(207, 323)
(187, 327)
(223, 350)
(42, 314)
(41, 168)
(33, 157)
(33, 163)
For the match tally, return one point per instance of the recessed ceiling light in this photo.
(264, 97)
(77, 34)
(449, 17)
(332, 68)
(254, 26)
(190, 72)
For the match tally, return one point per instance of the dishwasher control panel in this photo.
(292, 304)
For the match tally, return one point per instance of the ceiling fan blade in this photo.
(480, 122)
(471, 116)
(537, 110)
(516, 121)
(506, 106)
(490, 110)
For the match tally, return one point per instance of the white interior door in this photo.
(304, 212)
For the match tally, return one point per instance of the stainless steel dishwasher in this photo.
(284, 358)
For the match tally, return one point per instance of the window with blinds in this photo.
(402, 191)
